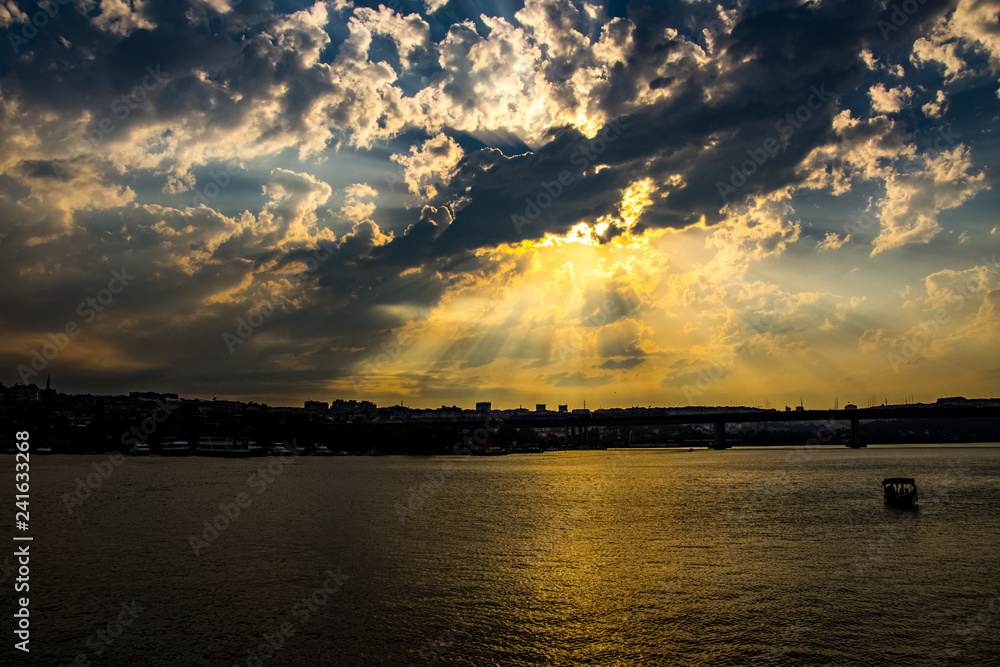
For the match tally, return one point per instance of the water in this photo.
(648, 557)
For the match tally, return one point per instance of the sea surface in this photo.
(749, 556)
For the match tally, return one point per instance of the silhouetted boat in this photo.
(490, 451)
(899, 491)
(140, 449)
(322, 450)
(224, 447)
(278, 449)
(175, 447)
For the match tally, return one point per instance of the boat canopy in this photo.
(898, 480)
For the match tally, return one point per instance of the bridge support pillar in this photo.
(856, 441)
(720, 435)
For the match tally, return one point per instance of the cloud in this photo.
(918, 184)
(758, 230)
(891, 100)
(410, 34)
(942, 53)
(976, 21)
(937, 107)
(973, 23)
(122, 18)
(429, 165)
(577, 380)
(357, 204)
(952, 288)
(621, 340)
(622, 364)
(912, 201)
(10, 14)
(291, 211)
(873, 340)
(49, 208)
(856, 150)
(833, 241)
(690, 375)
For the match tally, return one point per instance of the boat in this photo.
(278, 449)
(175, 447)
(899, 491)
(491, 451)
(321, 450)
(256, 450)
(139, 449)
(224, 447)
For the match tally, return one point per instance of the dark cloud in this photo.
(789, 52)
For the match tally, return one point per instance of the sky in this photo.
(440, 202)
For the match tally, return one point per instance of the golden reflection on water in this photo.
(653, 557)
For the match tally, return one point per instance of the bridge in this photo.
(577, 425)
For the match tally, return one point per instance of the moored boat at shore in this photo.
(223, 447)
(175, 447)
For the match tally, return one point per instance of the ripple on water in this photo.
(638, 558)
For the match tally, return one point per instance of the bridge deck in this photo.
(560, 420)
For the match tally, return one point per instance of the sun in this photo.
(550, 303)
